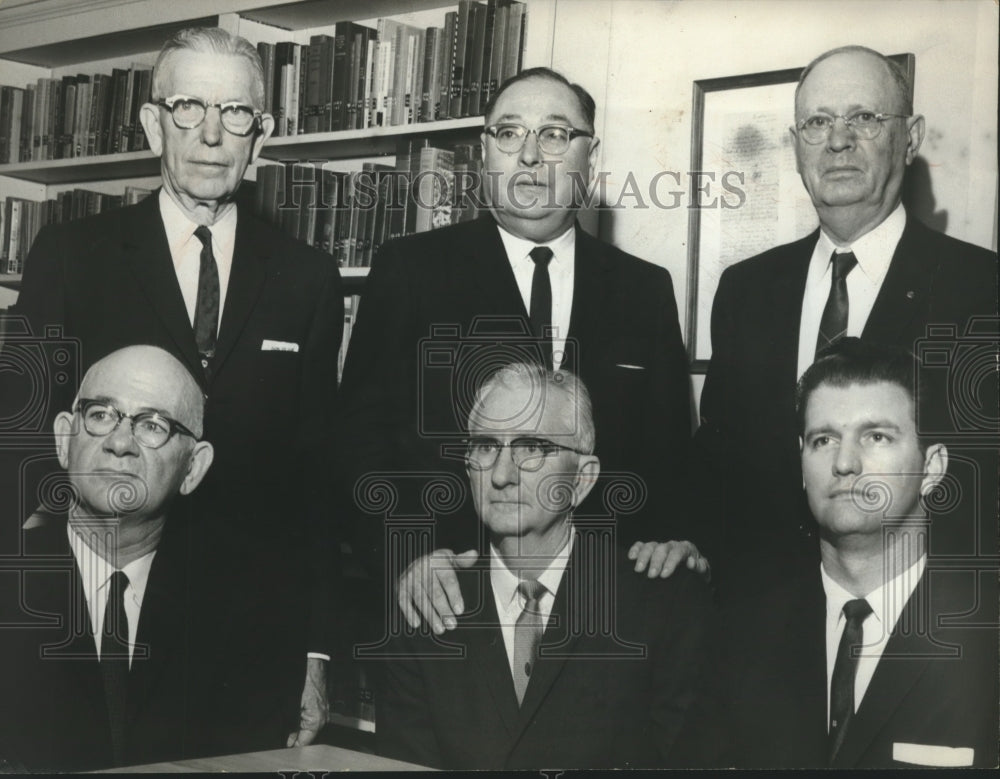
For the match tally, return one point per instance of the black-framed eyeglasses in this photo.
(150, 428)
(865, 124)
(189, 112)
(552, 138)
(528, 452)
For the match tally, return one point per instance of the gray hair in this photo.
(898, 75)
(577, 407)
(211, 40)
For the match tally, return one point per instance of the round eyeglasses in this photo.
(150, 428)
(528, 454)
(189, 112)
(866, 125)
(552, 138)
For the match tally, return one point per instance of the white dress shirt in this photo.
(561, 274)
(874, 251)
(95, 573)
(509, 601)
(887, 603)
(185, 250)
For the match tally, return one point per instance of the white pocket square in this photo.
(630, 367)
(278, 346)
(930, 754)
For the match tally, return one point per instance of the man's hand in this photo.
(662, 558)
(314, 710)
(428, 588)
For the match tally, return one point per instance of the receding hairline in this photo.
(897, 75)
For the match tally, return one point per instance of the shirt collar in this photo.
(563, 248)
(95, 571)
(874, 249)
(886, 600)
(505, 581)
(180, 229)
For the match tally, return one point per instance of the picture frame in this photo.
(751, 198)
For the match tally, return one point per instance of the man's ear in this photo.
(586, 477)
(915, 131)
(63, 428)
(595, 144)
(149, 115)
(266, 128)
(795, 145)
(935, 467)
(201, 458)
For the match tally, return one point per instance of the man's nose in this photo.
(842, 135)
(530, 153)
(848, 459)
(504, 470)
(120, 441)
(211, 128)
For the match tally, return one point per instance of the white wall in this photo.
(640, 57)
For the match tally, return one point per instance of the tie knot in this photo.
(843, 264)
(118, 581)
(541, 255)
(857, 610)
(531, 589)
(204, 235)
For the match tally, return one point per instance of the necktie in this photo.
(540, 312)
(114, 662)
(833, 324)
(527, 634)
(844, 670)
(206, 312)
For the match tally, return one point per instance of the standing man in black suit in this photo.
(527, 678)
(99, 664)
(257, 316)
(871, 270)
(442, 308)
(881, 656)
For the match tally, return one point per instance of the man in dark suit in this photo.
(442, 308)
(257, 316)
(883, 655)
(871, 270)
(100, 663)
(560, 659)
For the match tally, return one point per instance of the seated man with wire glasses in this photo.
(254, 314)
(562, 656)
(107, 655)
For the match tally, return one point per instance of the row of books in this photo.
(74, 116)
(350, 214)
(395, 73)
(21, 219)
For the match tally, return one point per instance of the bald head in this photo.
(155, 376)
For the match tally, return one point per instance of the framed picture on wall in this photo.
(741, 148)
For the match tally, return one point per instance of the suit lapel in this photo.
(147, 255)
(785, 305)
(591, 286)
(484, 261)
(903, 661)
(905, 290)
(485, 644)
(246, 279)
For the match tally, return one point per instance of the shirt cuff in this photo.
(318, 656)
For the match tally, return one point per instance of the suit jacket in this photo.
(747, 444)
(765, 693)
(442, 309)
(54, 715)
(596, 698)
(109, 282)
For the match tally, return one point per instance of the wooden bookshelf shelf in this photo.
(348, 273)
(13, 280)
(317, 13)
(343, 145)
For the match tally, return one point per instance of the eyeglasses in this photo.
(552, 138)
(528, 454)
(150, 428)
(866, 125)
(190, 112)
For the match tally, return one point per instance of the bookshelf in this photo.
(56, 38)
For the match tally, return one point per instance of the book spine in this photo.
(473, 69)
(458, 59)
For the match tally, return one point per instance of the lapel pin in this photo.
(910, 294)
